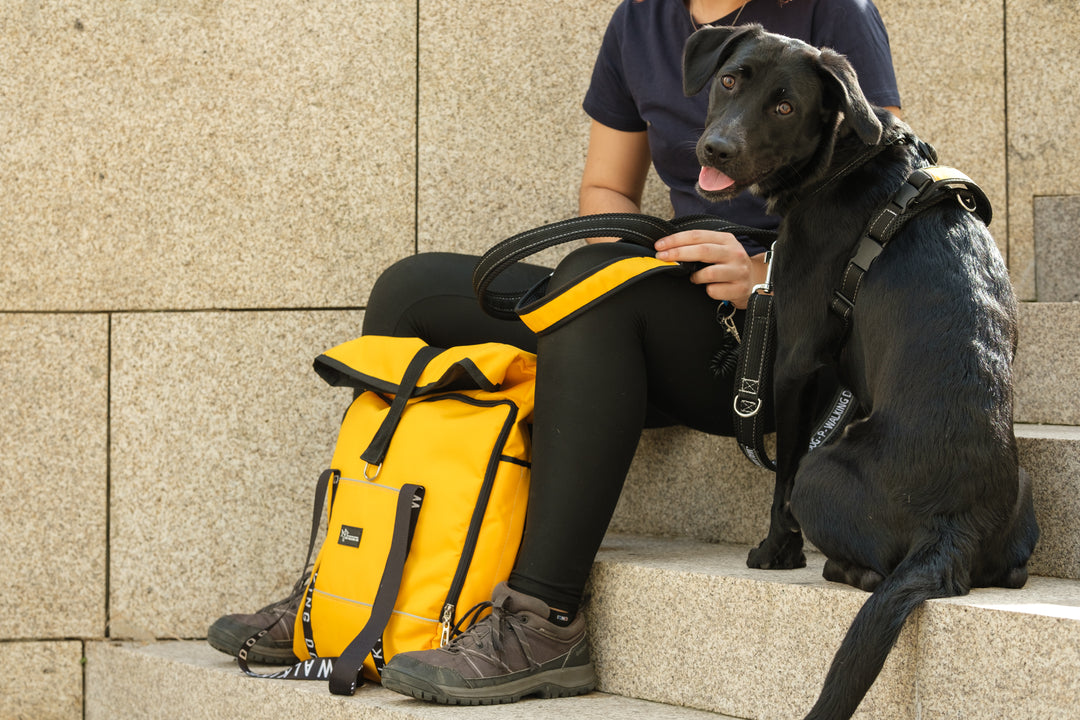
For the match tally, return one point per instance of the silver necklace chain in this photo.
(696, 27)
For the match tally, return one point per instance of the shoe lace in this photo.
(287, 603)
(489, 630)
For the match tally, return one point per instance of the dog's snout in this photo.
(717, 149)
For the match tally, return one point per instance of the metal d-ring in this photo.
(746, 415)
(960, 198)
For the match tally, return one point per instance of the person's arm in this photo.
(616, 165)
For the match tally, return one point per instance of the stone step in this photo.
(681, 622)
(682, 629)
(1047, 365)
(688, 484)
(187, 680)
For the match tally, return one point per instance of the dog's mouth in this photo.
(715, 186)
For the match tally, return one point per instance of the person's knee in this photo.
(407, 282)
(585, 259)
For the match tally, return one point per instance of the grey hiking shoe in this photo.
(230, 632)
(513, 652)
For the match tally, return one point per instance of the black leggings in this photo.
(643, 357)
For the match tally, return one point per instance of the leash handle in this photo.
(642, 230)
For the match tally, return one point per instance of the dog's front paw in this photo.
(784, 553)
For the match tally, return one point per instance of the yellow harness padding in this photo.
(563, 305)
(462, 435)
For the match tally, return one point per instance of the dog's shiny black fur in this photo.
(922, 495)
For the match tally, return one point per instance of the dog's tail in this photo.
(934, 569)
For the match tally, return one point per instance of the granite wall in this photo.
(196, 196)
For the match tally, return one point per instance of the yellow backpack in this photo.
(426, 495)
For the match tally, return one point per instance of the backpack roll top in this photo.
(453, 423)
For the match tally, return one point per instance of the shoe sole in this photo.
(558, 683)
(229, 638)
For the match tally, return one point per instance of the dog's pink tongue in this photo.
(712, 180)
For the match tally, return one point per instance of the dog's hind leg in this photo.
(851, 574)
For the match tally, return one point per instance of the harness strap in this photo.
(922, 189)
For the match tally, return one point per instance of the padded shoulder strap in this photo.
(346, 673)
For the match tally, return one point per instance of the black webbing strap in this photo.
(327, 483)
(753, 378)
(923, 189)
(642, 230)
(343, 672)
(754, 386)
(345, 676)
(380, 442)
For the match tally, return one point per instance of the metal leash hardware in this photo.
(728, 320)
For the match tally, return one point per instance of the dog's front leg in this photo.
(795, 401)
(782, 548)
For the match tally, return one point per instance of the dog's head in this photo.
(775, 109)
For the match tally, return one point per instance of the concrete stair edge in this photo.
(754, 643)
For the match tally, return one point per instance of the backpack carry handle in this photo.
(380, 443)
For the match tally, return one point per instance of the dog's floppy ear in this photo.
(841, 80)
(708, 49)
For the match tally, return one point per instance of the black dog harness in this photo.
(923, 189)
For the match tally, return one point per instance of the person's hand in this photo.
(729, 273)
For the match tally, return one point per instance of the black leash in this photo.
(641, 230)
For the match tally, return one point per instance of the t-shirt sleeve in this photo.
(855, 29)
(609, 100)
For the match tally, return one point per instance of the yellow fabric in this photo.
(445, 442)
(564, 303)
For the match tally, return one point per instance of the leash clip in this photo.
(765, 288)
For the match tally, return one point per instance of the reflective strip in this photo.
(581, 294)
(368, 605)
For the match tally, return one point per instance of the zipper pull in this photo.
(447, 624)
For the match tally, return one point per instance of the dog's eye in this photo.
(785, 108)
(728, 81)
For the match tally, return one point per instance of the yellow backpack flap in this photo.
(427, 496)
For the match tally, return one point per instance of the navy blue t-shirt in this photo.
(637, 81)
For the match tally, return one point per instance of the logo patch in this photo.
(350, 536)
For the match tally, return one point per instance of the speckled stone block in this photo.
(1051, 456)
(686, 483)
(220, 428)
(1047, 365)
(189, 681)
(53, 466)
(680, 622)
(684, 622)
(1057, 248)
(200, 154)
(42, 680)
(502, 133)
(952, 85)
(1002, 654)
(1044, 144)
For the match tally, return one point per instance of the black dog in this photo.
(921, 496)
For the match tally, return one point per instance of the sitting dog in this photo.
(921, 496)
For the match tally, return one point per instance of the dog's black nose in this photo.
(718, 149)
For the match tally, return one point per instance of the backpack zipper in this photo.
(450, 606)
